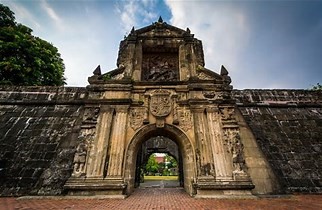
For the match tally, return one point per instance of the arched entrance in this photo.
(160, 148)
(185, 149)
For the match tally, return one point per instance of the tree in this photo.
(26, 59)
(152, 164)
(171, 161)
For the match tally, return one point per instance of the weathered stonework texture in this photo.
(38, 127)
(287, 125)
(160, 98)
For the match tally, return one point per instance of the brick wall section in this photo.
(38, 133)
(288, 127)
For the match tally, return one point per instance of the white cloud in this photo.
(52, 15)
(222, 28)
(23, 15)
(134, 13)
(50, 11)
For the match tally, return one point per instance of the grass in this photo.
(175, 178)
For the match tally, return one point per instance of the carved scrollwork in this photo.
(185, 119)
(201, 75)
(136, 117)
(227, 113)
(91, 115)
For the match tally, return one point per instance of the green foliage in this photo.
(152, 164)
(172, 162)
(107, 77)
(24, 58)
(318, 86)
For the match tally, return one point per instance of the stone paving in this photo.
(162, 198)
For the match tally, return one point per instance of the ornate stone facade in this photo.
(160, 90)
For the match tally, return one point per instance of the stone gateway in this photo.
(160, 98)
(161, 89)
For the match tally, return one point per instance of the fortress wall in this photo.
(38, 134)
(39, 127)
(287, 125)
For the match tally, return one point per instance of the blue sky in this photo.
(263, 44)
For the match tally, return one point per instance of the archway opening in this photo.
(159, 164)
(184, 153)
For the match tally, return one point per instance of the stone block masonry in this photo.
(287, 125)
(38, 134)
(39, 128)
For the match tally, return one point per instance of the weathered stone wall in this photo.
(38, 134)
(39, 127)
(287, 125)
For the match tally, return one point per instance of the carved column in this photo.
(118, 143)
(98, 154)
(222, 162)
(204, 155)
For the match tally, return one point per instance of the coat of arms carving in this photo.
(160, 104)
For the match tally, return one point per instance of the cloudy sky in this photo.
(263, 44)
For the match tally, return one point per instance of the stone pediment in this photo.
(160, 53)
(160, 30)
(206, 74)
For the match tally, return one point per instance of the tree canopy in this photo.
(152, 164)
(26, 59)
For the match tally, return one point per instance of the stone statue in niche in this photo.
(79, 160)
(160, 67)
(238, 159)
(235, 147)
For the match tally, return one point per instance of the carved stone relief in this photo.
(203, 76)
(79, 160)
(86, 138)
(91, 115)
(185, 118)
(160, 67)
(136, 117)
(235, 147)
(227, 113)
(160, 103)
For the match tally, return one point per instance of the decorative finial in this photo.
(188, 30)
(132, 30)
(97, 71)
(160, 20)
(223, 71)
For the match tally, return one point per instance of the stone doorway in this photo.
(168, 139)
(160, 146)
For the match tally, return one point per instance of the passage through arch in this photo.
(185, 150)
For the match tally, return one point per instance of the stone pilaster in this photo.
(205, 167)
(118, 143)
(222, 161)
(97, 162)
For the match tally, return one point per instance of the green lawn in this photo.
(160, 178)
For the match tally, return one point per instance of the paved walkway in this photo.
(163, 198)
(159, 184)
